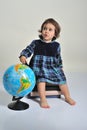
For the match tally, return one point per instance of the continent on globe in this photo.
(20, 67)
(25, 84)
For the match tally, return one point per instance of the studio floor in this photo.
(60, 116)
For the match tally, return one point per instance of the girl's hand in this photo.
(23, 59)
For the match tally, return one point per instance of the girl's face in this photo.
(48, 32)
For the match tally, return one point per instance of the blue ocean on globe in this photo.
(19, 80)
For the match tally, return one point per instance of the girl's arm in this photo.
(27, 52)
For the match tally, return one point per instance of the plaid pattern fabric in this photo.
(46, 62)
(47, 70)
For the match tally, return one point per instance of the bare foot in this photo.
(70, 101)
(44, 104)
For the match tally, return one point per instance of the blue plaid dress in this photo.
(46, 61)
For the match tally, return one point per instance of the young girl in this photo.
(46, 61)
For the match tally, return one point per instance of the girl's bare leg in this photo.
(66, 93)
(41, 91)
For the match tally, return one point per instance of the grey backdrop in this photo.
(20, 21)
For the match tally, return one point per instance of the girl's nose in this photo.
(46, 30)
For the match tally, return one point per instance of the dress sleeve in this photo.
(59, 57)
(29, 50)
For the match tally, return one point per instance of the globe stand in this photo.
(17, 104)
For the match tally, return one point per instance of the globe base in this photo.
(18, 105)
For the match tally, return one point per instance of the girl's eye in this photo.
(50, 29)
(44, 28)
(47, 29)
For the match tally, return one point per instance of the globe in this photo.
(19, 80)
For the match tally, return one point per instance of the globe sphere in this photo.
(19, 80)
